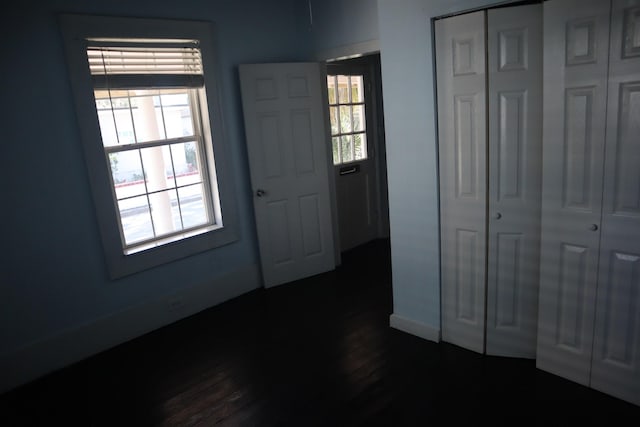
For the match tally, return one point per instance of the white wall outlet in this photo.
(175, 304)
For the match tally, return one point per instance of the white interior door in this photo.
(515, 151)
(576, 37)
(460, 57)
(616, 358)
(284, 112)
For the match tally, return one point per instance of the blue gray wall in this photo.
(57, 304)
(343, 27)
(410, 123)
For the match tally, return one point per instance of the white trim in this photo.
(46, 355)
(414, 328)
(76, 29)
(349, 51)
(330, 173)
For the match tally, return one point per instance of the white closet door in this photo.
(515, 150)
(616, 358)
(576, 37)
(460, 50)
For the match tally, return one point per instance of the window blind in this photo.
(144, 63)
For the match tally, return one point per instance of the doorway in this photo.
(358, 147)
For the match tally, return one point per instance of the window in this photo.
(151, 136)
(347, 113)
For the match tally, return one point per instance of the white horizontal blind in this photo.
(145, 63)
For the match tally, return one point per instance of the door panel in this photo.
(311, 230)
(626, 151)
(512, 125)
(460, 47)
(270, 140)
(287, 146)
(577, 144)
(508, 259)
(277, 213)
(356, 194)
(620, 308)
(515, 150)
(571, 298)
(465, 145)
(303, 148)
(616, 358)
(467, 277)
(575, 76)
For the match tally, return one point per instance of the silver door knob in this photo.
(497, 215)
(593, 227)
(260, 193)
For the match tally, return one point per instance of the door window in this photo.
(347, 113)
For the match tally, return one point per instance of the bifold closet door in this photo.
(616, 351)
(490, 261)
(576, 37)
(461, 75)
(515, 151)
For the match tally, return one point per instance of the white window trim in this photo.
(76, 29)
(350, 71)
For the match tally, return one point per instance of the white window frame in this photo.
(76, 30)
(333, 73)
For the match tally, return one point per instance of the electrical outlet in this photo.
(175, 303)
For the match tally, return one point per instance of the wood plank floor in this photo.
(318, 352)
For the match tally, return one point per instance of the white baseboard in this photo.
(43, 356)
(414, 328)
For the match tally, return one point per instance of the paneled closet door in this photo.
(515, 150)
(616, 359)
(576, 37)
(460, 50)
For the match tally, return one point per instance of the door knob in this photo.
(593, 227)
(497, 215)
(260, 193)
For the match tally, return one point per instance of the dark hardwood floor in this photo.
(318, 352)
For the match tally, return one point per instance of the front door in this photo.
(350, 112)
(287, 144)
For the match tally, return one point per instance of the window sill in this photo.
(171, 239)
(155, 254)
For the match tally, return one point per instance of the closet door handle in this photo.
(497, 215)
(593, 227)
